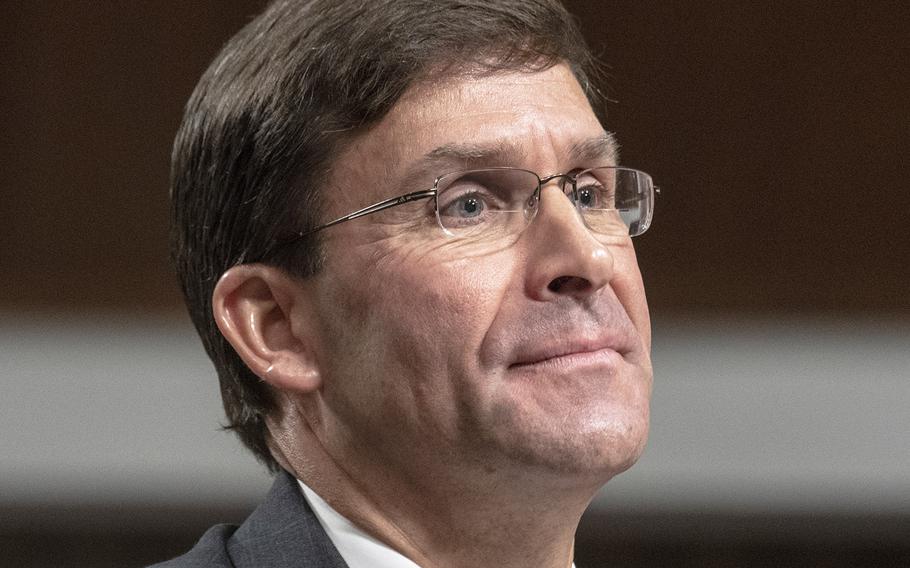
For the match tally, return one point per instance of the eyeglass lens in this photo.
(491, 203)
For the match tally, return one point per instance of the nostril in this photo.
(557, 283)
(569, 285)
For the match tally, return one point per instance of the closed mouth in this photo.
(571, 356)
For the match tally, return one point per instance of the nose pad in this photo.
(566, 258)
(555, 202)
(532, 205)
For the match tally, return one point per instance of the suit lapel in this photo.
(283, 532)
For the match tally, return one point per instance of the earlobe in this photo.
(254, 307)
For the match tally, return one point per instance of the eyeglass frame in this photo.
(433, 192)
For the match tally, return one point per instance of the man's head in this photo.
(399, 343)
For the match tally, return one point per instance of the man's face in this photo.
(441, 358)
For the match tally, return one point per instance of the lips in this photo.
(567, 350)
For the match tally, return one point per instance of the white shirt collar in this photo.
(357, 548)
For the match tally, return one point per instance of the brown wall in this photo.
(778, 132)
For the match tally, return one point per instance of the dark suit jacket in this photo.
(283, 532)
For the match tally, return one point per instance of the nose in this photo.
(564, 258)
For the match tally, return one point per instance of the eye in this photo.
(466, 206)
(587, 198)
(594, 196)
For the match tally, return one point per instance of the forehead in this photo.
(537, 120)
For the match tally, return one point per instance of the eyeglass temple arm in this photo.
(385, 204)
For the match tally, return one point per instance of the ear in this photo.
(263, 313)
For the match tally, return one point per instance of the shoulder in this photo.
(209, 552)
(283, 532)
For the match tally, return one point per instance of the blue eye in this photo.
(594, 197)
(587, 198)
(468, 206)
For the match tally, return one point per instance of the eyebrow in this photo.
(442, 159)
(603, 147)
(468, 154)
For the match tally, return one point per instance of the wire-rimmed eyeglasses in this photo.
(489, 203)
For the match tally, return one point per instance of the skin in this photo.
(462, 404)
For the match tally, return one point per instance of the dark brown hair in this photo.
(279, 102)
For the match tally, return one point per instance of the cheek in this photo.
(630, 290)
(439, 295)
(419, 323)
(418, 317)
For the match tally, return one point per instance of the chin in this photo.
(590, 449)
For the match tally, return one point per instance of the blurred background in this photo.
(778, 269)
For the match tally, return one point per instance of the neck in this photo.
(440, 518)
